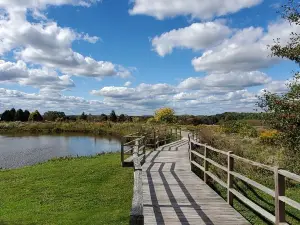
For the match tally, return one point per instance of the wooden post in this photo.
(144, 150)
(230, 167)
(279, 191)
(165, 134)
(122, 152)
(190, 148)
(176, 133)
(205, 164)
(180, 133)
(154, 139)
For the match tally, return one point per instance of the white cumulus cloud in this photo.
(203, 9)
(197, 36)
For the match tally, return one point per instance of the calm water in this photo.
(18, 151)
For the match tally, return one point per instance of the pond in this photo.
(19, 151)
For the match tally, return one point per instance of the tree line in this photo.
(20, 115)
(23, 116)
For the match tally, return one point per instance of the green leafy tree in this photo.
(103, 117)
(12, 114)
(283, 110)
(83, 116)
(291, 50)
(5, 116)
(19, 115)
(166, 115)
(54, 115)
(35, 116)
(122, 118)
(113, 117)
(26, 115)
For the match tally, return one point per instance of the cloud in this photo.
(277, 86)
(45, 101)
(197, 36)
(227, 81)
(127, 84)
(12, 72)
(246, 50)
(203, 9)
(41, 4)
(45, 79)
(140, 92)
(49, 45)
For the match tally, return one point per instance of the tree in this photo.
(26, 115)
(166, 115)
(113, 117)
(54, 115)
(122, 118)
(291, 50)
(12, 114)
(283, 110)
(5, 116)
(83, 116)
(19, 115)
(103, 117)
(35, 116)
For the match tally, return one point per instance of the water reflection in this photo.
(18, 151)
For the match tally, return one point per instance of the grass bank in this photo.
(86, 190)
(109, 128)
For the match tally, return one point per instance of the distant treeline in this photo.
(218, 118)
(20, 115)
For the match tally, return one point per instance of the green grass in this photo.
(87, 190)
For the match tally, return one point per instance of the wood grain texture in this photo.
(172, 194)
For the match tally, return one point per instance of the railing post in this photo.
(165, 134)
(180, 134)
(190, 150)
(176, 133)
(144, 150)
(122, 152)
(154, 139)
(279, 191)
(205, 164)
(230, 167)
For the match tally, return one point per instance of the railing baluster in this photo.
(205, 165)
(122, 152)
(279, 191)
(230, 163)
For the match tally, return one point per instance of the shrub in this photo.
(269, 136)
(239, 127)
(166, 115)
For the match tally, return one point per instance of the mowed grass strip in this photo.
(87, 190)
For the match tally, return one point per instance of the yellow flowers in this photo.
(165, 115)
(269, 136)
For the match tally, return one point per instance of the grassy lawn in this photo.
(95, 190)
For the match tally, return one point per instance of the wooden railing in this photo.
(134, 145)
(280, 176)
(154, 138)
(136, 214)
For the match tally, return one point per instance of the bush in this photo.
(269, 136)
(239, 127)
(166, 115)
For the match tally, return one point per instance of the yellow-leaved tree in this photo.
(166, 115)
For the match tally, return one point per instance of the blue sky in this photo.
(136, 56)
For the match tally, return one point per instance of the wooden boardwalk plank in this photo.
(174, 195)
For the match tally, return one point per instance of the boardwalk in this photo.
(173, 195)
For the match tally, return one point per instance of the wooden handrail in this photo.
(280, 176)
(137, 145)
(137, 214)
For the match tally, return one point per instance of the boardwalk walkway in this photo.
(173, 195)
